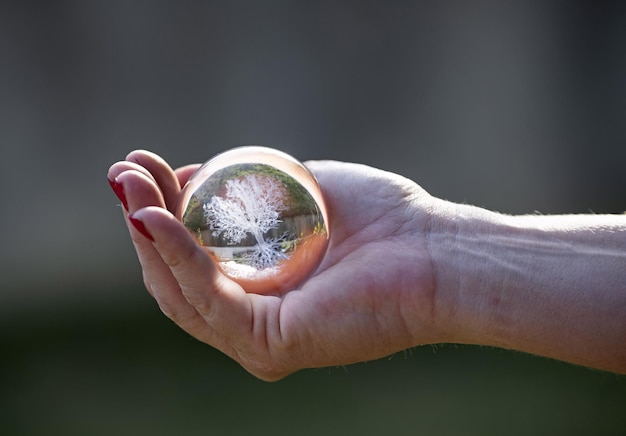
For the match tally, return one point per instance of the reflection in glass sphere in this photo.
(260, 215)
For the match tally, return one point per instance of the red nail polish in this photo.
(141, 228)
(119, 191)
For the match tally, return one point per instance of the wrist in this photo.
(459, 244)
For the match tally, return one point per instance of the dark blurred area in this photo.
(516, 106)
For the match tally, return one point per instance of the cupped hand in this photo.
(372, 295)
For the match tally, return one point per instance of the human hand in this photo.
(372, 295)
(402, 269)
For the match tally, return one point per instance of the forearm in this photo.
(548, 285)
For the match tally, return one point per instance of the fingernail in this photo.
(141, 228)
(118, 188)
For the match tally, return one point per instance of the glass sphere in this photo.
(260, 214)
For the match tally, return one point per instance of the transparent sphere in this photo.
(260, 215)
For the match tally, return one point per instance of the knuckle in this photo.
(267, 373)
(264, 367)
(169, 311)
(148, 284)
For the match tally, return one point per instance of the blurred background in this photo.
(517, 106)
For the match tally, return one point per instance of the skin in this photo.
(402, 269)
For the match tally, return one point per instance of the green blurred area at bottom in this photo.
(124, 369)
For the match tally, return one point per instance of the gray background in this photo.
(515, 106)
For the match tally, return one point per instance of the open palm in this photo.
(371, 296)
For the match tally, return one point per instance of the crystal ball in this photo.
(260, 215)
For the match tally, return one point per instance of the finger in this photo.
(183, 173)
(223, 304)
(119, 167)
(162, 173)
(141, 191)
